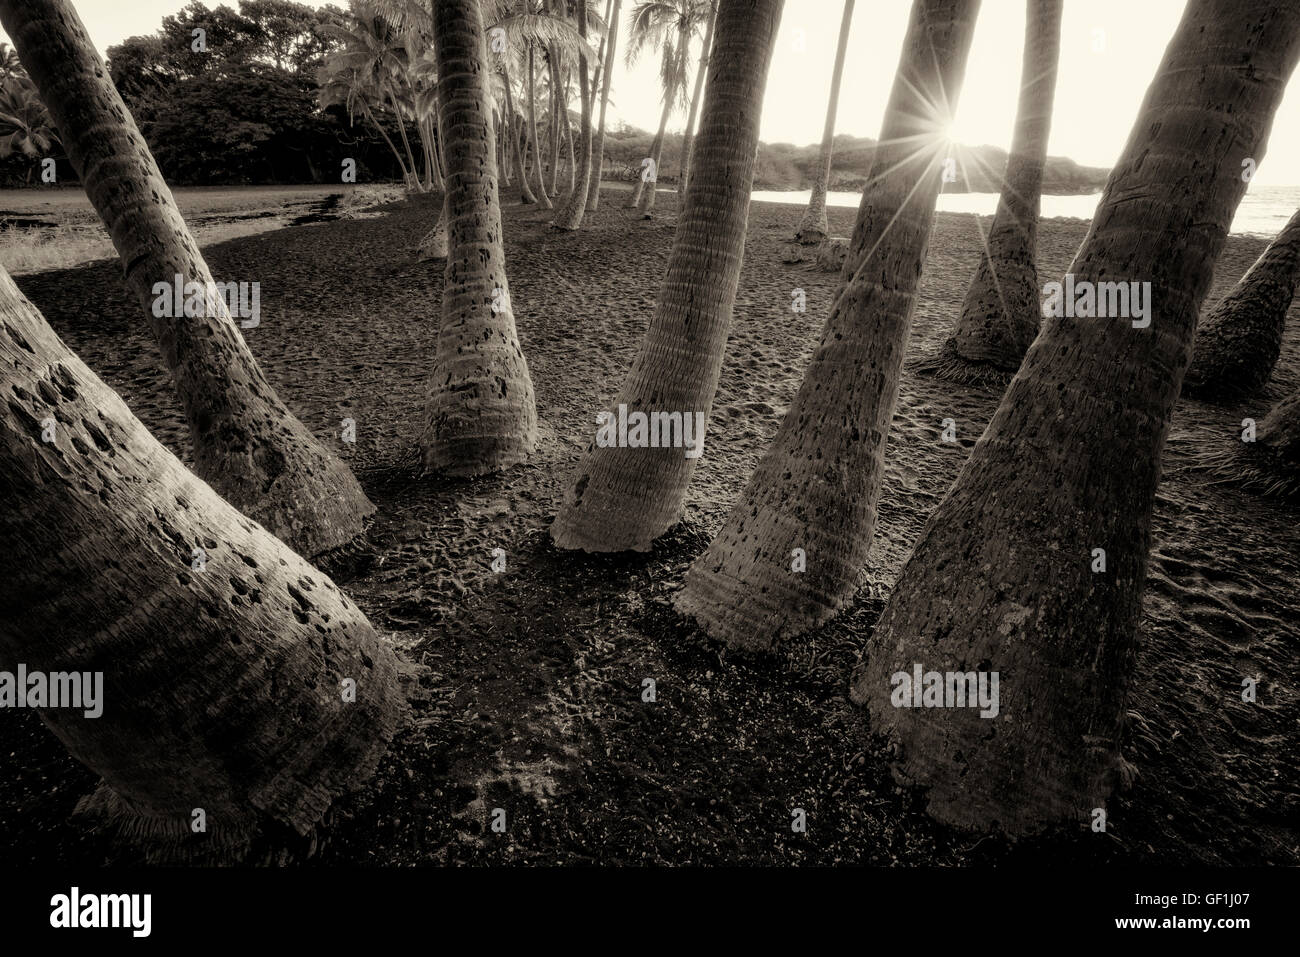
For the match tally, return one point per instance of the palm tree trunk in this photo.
(1238, 343)
(688, 138)
(568, 133)
(1005, 573)
(607, 69)
(557, 108)
(1000, 315)
(387, 139)
(413, 182)
(247, 444)
(543, 200)
(656, 147)
(816, 489)
(813, 228)
(223, 653)
(623, 498)
(435, 243)
(575, 206)
(525, 191)
(481, 415)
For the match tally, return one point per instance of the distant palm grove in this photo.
(994, 673)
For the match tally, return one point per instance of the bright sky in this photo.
(1109, 52)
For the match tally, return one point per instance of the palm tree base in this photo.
(951, 365)
(1252, 468)
(169, 840)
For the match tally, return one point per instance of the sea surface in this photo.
(1263, 211)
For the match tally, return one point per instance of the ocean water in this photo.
(1263, 211)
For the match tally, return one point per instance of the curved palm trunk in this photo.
(643, 185)
(401, 164)
(414, 179)
(1238, 343)
(607, 69)
(817, 488)
(525, 191)
(223, 653)
(247, 444)
(434, 244)
(1003, 577)
(480, 415)
(813, 227)
(688, 137)
(568, 134)
(575, 206)
(1000, 315)
(624, 497)
(543, 199)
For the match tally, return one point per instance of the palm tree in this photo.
(1238, 343)
(575, 206)
(25, 126)
(543, 199)
(817, 488)
(667, 26)
(340, 83)
(1006, 575)
(480, 416)
(247, 444)
(701, 69)
(224, 655)
(374, 46)
(623, 498)
(1000, 316)
(813, 227)
(609, 47)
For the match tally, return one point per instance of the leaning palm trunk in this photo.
(688, 137)
(559, 106)
(525, 191)
(1238, 343)
(1033, 565)
(622, 497)
(401, 164)
(237, 679)
(543, 199)
(413, 180)
(598, 151)
(656, 148)
(813, 496)
(480, 415)
(247, 444)
(813, 228)
(575, 205)
(1000, 316)
(433, 245)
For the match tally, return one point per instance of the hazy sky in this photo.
(1109, 52)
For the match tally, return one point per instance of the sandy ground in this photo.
(533, 701)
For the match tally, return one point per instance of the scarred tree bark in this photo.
(624, 498)
(223, 653)
(575, 206)
(816, 489)
(1000, 315)
(1006, 576)
(813, 228)
(247, 443)
(481, 415)
(1238, 343)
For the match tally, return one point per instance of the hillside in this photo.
(784, 166)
